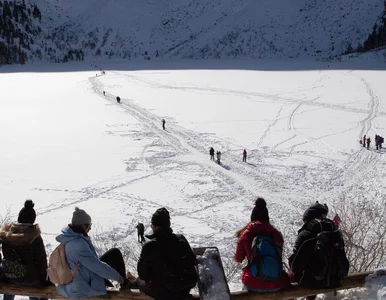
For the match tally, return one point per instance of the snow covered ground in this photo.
(67, 145)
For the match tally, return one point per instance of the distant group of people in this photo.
(218, 155)
(366, 141)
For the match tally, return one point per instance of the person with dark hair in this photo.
(248, 239)
(211, 153)
(140, 232)
(90, 278)
(166, 267)
(245, 155)
(218, 154)
(24, 255)
(304, 262)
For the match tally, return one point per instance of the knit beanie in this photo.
(315, 211)
(80, 217)
(27, 214)
(260, 211)
(161, 218)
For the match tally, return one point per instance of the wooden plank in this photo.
(352, 281)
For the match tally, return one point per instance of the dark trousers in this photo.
(244, 159)
(114, 259)
(141, 238)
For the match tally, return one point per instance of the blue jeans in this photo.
(34, 283)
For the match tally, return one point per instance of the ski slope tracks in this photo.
(67, 145)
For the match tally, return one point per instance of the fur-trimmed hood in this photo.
(19, 233)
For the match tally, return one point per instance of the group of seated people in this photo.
(166, 267)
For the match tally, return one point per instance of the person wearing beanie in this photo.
(259, 226)
(24, 255)
(166, 267)
(92, 273)
(315, 221)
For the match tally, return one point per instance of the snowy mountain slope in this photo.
(210, 29)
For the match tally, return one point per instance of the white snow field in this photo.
(64, 144)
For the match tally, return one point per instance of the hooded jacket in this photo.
(89, 278)
(299, 261)
(23, 253)
(244, 250)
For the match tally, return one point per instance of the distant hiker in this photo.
(364, 141)
(118, 99)
(89, 279)
(264, 273)
(104, 93)
(24, 255)
(336, 220)
(163, 124)
(368, 143)
(245, 155)
(140, 232)
(318, 259)
(381, 140)
(376, 140)
(166, 267)
(211, 153)
(218, 154)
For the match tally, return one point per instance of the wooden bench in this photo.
(352, 281)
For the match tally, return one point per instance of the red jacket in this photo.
(244, 249)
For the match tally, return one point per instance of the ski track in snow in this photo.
(180, 149)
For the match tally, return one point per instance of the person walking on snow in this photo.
(211, 153)
(368, 143)
(218, 153)
(364, 141)
(141, 231)
(245, 155)
(163, 124)
(376, 141)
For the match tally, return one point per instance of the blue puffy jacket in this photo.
(89, 278)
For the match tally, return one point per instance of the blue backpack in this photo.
(266, 263)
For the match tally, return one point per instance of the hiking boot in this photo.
(129, 285)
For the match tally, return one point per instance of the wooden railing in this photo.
(352, 281)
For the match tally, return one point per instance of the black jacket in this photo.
(300, 260)
(173, 251)
(23, 249)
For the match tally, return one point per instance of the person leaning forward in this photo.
(89, 279)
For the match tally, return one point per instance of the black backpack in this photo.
(179, 274)
(329, 264)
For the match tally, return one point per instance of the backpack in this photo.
(58, 269)
(266, 263)
(179, 273)
(382, 140)
(329, 264)
(13, 266)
